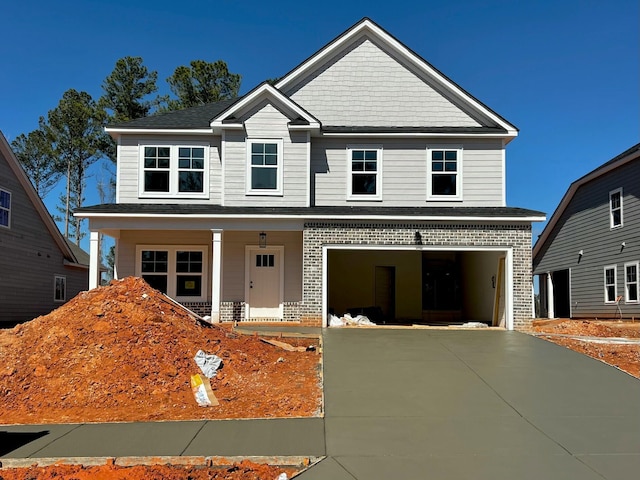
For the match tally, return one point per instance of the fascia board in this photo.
(191, 131)
(265, 90)
(568, 196)
(35, 199)
(422, 135)
(430, 218)
(395, 45)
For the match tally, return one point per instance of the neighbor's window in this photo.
(5, 208)
(174, 171)
(264, 167)
(444, 170)
(180, 272)
(365, 173)
(615, 208)
(631, 283)
(59, 288)
(610, 288)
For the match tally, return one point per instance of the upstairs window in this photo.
(610, 286)
(631, 289)
(264, 167)
(365, 178)
(615, 208)
(174, 171)
(5, 208)
(444, 168)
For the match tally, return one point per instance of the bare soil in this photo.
(124, 352)
(624, 357)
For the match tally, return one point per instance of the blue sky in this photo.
(566, 73)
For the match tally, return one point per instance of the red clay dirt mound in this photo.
(124, 352)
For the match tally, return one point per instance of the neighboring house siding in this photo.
(585, 226)
(404, 171)
(379, 91)
(29, 259)
(129, 167)
(266, 122)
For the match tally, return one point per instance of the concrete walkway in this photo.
(412, 404)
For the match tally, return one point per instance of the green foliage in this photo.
(202, 82)
(35, 154)
(74, 131)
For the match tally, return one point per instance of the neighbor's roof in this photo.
(632, 153)
(337, 213)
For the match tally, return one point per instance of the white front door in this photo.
(264, 289)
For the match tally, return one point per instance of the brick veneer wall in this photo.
(234, 312)
(318, 234)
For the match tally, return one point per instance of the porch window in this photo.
(631, 282)
(174, 171)
(444, 168)
(610, 287)
(264, 167)
(5, 208)
(615, 208)
(59, 288)
(178, 271)
(365, 166)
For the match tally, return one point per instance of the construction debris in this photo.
(208, 363)
(124, 352)
(348, 321)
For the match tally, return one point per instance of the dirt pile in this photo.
(566, 333)
(245, 470)
(124, 352)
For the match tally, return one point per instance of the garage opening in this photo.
(427, 287)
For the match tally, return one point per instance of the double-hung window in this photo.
(365, 173)
(5, 208)
(178, 271)
(264, 167)
(59, 288)
(610, 285)
(444, 171)
(174, 171)
(631, 289)
(615, 208)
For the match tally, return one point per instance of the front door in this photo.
(264, 289)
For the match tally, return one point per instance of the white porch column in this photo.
(216, 275)
(94, 259)
(550, 312)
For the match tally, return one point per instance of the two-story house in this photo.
(39, 268)
(588, 256)
(363, 178)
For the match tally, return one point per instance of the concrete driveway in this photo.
(411, 404)
(435, 404)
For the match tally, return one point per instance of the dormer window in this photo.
(615, 208)
(174, 171)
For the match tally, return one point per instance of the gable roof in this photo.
(367, 27)
(625, 157)
(14, 165)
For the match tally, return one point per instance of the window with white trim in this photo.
(615, 208)
(610, 285)
(174, 171)
(365, 173)
(59, 288)
(5, 208)
(178, 271)
(444, 170)
(631, 289)
(264, 166)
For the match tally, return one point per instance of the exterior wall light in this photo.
(262, 240)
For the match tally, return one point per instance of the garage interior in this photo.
(423, 287)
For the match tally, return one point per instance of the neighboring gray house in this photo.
(39, 270)
(363, 180)
(588, 255)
